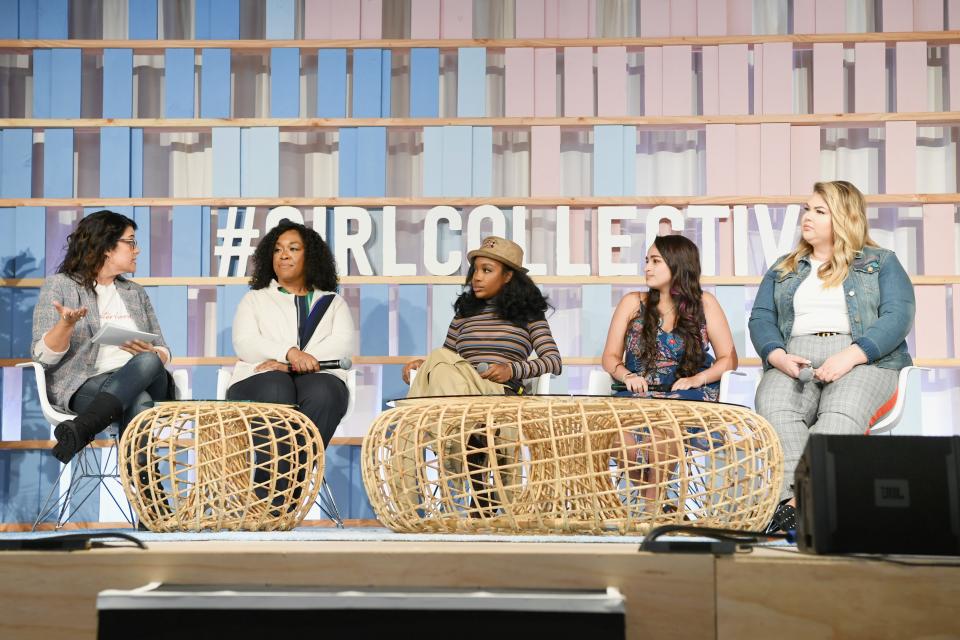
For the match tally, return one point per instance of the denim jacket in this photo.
(880, 305)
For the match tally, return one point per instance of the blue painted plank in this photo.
(385, 80)
(52, 19)
(228, 298)
(115, 162)
(372, 161)
(203, 381)
(285, 83)
(336, 472)
(733, 303)
(433, 161)
(217, 20)
(392, 385)
(6, 316)
(442, 297)
(141, 215)
(24, 300)
(33, 426)
(186, 242)
(31, 242)
(332, 83)
(58, 163)
(367, 80)
(42, 78)
(347, 156)
(360, 508)
(28, 18)
(179, 81)
(374, 320)
(8, 247)
(607, 158)
(260, 162)
(17, 161)
(457, 160)
(136, 163)
(472, 82)
(280, 19)
(482, 161)
(65, 77)
(412, 320)
(143, 19)
(118, 83)
(628, 163)
(170, 303)
(215, 95)
(424, 83)
(205, 223)
(595, 311)
(9, 19)
(226, 161)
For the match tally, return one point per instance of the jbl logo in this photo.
(888, 492)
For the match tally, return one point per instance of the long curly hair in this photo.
(87, 246)
(519, 302)
(320, 269)
(683, 260)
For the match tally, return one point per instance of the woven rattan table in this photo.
(569, 464)
(221, 465)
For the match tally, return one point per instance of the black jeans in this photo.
(137, 385)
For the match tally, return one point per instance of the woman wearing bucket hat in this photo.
(499, 321)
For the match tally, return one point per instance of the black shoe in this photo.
(784, 518)
(73, 435)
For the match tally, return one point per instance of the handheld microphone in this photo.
(482, 367)
(342, 363)
(805, 375)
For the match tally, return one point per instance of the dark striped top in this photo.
(486, 337)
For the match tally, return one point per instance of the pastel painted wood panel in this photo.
(900, 157)
(953, 22)
(930, 330)
(683, 17)
(804, 16)
(775, 158)
(654, 18)
(870, 79)
(545, 161)
(928, 15)
(281, 15)
(371, 19)
(573, 18)
(456, 19)
(710, 89)
(721, 142)
(529, 19)
(897, 15)
(519, 82)
(425, 19)
(953, 64)
(611, 81)
(345, 20)
(777, 90)
(828, 77)
(545, 82)
(317, 19)
(734, 79)
(831, 16)
(578, 81)
(653, 81)
(748, 158)
(939, 251)
(739, 17)
(711, 18)
(911, 76)
(677, 79)
(804, 159)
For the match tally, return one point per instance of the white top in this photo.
(109, 358)
(817, 308)
(265, 328)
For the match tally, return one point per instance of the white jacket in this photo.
(265, 328)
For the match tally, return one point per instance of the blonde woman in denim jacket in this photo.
(842, 306)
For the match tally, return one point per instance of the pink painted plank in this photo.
(939, 251)
(721, 148)
(739, 17)
(371, 20)
(654, 18)
(592, 19)
(710, 90)
(956, 318)
(518, 82)
(529, 19)
(424, 18)
(545, 161)
(677, 78)
(578, 81)
(830, 16)
(953, 64)
(804, 16)
(928, 15)
(900, 157)
(757, 79)
(775, 159)
(734, 79)
(804, 159)
(897, 15)
(551, 19)
(748, 158)
(545, 82)
(653, 81)
(953, 22)
(777, 77)
(683, 17)
(711, 18)
(611, 81)
(870, 78)
(912, 76)
(828, 77)
(930, 330)
(316, 19)
(573, 19)
(456, 19)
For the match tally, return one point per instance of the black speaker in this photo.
(896, 494)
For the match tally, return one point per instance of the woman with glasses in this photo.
(100, 383)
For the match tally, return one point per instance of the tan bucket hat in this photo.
(501, 250)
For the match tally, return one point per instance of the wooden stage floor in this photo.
(768, 593)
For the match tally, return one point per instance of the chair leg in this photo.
(328, 505)
(50, 504)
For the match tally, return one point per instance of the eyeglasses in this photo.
(132, 243)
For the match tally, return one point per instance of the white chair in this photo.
(600, 381)
(69, 482)
(908, 395)
(325, 501)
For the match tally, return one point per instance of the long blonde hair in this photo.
(848, 214)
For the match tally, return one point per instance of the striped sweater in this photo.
(486, 337)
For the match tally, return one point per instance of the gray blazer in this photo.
(77, 365)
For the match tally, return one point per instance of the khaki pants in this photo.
(445, 373)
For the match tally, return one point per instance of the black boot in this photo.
(74, 435)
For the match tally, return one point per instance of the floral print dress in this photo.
(670, 351)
